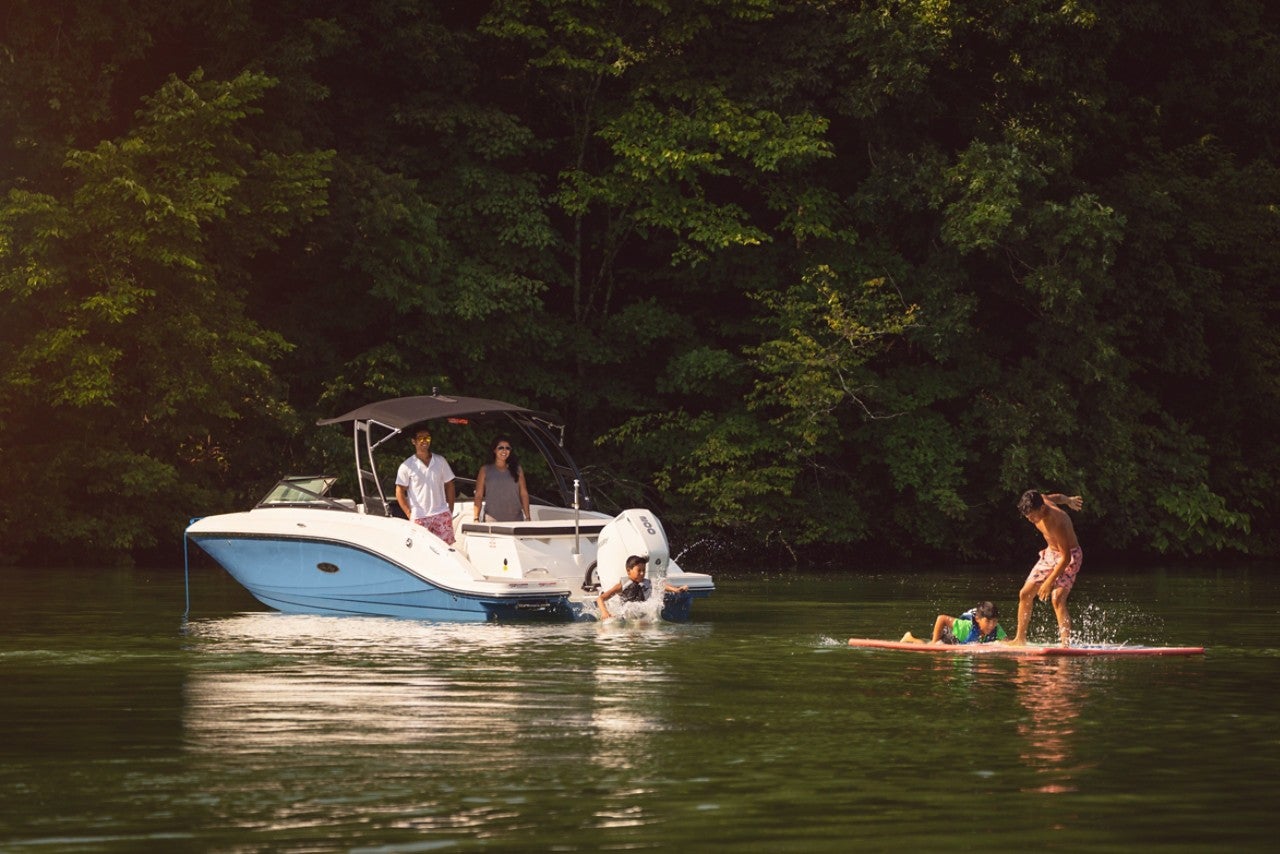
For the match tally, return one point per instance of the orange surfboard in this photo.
(1029, 650)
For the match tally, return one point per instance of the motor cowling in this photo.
(632, 532)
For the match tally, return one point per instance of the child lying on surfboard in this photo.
(977, 625)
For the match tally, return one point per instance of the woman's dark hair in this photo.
(513, 462)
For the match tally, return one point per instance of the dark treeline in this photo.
(799, 274)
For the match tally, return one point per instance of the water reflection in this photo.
(624, 716)
(460, 705)
(629, 711)
(275, 680)
(423, 718)
(1051, 693)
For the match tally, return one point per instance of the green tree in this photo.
(815, 273)
(998, 193)
(132, 379)
(667, 158)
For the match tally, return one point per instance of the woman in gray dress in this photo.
(500, 486)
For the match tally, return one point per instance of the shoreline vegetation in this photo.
(824, 281)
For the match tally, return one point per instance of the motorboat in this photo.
(303, 550)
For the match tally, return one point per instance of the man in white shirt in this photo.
(424, 488)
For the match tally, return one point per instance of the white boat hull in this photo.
(327, 561)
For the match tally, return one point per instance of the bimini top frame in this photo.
(393, 417)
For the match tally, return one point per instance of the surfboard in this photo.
(1029, 650)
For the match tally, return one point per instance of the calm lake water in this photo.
(128, 727)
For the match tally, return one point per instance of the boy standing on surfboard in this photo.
(1053, 576)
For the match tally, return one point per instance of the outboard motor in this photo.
(632, 532)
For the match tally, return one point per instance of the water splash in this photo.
(648, 611)
(1118, 623)
(713, 546)
(1091, 625)
(1095, 625)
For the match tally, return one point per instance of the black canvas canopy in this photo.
(401, 412)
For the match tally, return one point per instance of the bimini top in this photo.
(401, 412)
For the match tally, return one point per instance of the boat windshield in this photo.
(300, 490)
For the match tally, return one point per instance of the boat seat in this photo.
(534, 529)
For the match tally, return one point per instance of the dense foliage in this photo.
(803, 273)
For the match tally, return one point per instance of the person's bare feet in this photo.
(910, 638)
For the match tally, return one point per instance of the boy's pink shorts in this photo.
(1048, 560)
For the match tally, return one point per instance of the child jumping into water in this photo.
(635, 588)
(977, 625)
